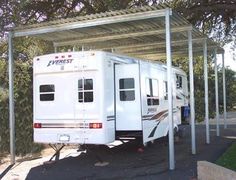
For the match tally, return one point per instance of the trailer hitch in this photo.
(57, 151)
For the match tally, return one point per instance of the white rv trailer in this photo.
(96, 97)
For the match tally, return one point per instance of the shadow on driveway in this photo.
(125, 162)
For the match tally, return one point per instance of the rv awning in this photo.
(137, 32)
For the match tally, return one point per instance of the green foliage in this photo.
(228, 159)
(230, 78)
(216, 18)
(25, 49)
(199, 88)
(23, 108)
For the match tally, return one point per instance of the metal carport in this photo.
(149, 32)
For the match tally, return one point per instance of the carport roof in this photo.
(138, 32)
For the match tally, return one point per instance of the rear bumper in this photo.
(70, 136)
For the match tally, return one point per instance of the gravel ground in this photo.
(127, 161)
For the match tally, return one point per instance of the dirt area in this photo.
(23, 164)
(127, 161)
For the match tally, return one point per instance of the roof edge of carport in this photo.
(126, 15)
(132, 14)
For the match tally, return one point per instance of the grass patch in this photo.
(228, 159)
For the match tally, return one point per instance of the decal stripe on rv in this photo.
(65, 125)
(154, 130)
(111, 118)
(161, 116)
(156, 117)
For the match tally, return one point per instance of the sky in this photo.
(229, 60)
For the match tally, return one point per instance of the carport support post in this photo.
(192, 108)
(224, 89)
(170, 100)
(216, 96)
(206, 92)
(11, 97)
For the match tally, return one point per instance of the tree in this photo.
(217, 18)
(14, 13)
(230, 78)
(23, 107)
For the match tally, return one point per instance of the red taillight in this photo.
(37, 125)
(95, 125)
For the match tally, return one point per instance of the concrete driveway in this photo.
(125, 162)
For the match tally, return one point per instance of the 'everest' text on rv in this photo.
(59, 62)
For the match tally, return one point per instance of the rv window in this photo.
(88, 96)
(178, 81)
(127, 92)
(85, 90)
(46, 92)
(80, 84)
(46, 97)
(165, 90)
(127, 95)
(152, 92)
(47, 88)
(88, 84)
(127, 83)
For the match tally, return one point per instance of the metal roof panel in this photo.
(136, 27)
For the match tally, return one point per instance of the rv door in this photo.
(128, 107)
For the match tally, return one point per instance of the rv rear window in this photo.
(47, 88)
(126, 88)
(46, 97)
(85, 90)
(46, 92)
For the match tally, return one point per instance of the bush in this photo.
(23, 97)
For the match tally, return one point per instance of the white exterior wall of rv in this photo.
(66, 120)
(66, 116)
